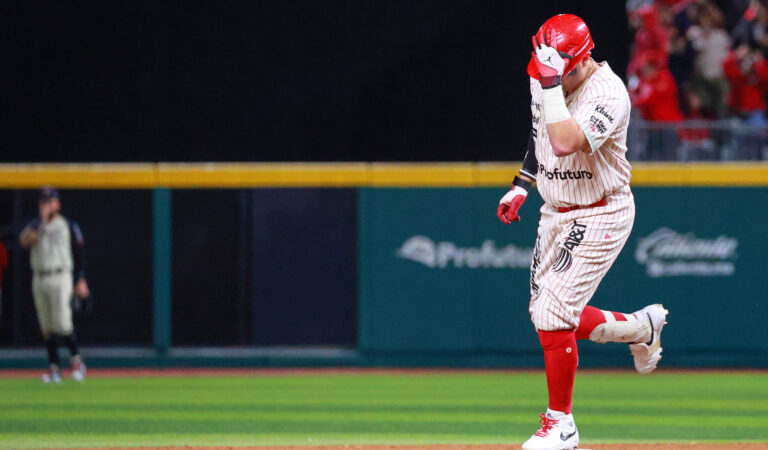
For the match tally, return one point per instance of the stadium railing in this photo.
(696, 140)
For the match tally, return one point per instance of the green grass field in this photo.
(377, 408)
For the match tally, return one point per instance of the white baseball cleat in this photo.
(648, 354)
(78, 369)
(53, 375)
(557, 432)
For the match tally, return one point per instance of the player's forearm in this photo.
(565, 134)
(28, 237)
(566, 137)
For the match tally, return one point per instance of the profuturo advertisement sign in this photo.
(446, 254)
(439, 272)
(668, 253)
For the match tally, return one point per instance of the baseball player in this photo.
(58, 262)
(576, 155)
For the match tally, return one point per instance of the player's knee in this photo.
(551, 340)
(549, 314)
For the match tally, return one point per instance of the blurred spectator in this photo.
(689, 40)
(732, 10)
(655, 93)
(696, 107)
(753, 26)
(696, 140)
(747, 71)
(655, 96)
(681, 59)
(684, 64)
(711, 43)
(650, 36)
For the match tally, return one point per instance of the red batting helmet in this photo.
(566, 33)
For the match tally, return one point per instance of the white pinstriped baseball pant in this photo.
(573, 252)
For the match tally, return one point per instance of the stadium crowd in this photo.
(699, 59)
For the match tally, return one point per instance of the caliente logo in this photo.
(440, 255)
(667, 253)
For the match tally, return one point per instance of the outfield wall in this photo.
(391, 264)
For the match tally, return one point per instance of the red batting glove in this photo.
(510, 204)
(550, 63)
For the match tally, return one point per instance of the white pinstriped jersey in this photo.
(601, 106)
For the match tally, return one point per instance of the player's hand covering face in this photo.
(550, 63)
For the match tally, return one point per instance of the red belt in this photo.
(565, 209)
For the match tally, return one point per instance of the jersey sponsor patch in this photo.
(600, 109)
(535, 260)
(574, 239)
(568, 174)
(564, 261)
(535, 115)
(597, 125)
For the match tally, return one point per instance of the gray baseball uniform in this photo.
(53, 258)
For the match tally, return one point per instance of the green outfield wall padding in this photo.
(439, 272)
(161, 258)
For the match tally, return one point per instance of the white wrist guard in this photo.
(554, 105)
(514, 192)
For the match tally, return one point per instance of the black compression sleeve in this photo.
(78, 253)
(522, 183)
(530, 164)
(78, 250)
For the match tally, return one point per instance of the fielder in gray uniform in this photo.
(58, 265)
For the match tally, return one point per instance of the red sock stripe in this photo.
(590, 318)
(619, 316)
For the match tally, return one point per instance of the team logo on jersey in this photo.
(569, 174)
(574, 239)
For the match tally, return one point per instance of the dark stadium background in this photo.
(296, 261)
(298, 80)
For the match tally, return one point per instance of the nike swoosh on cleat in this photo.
(650, 320)
(565, 437)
